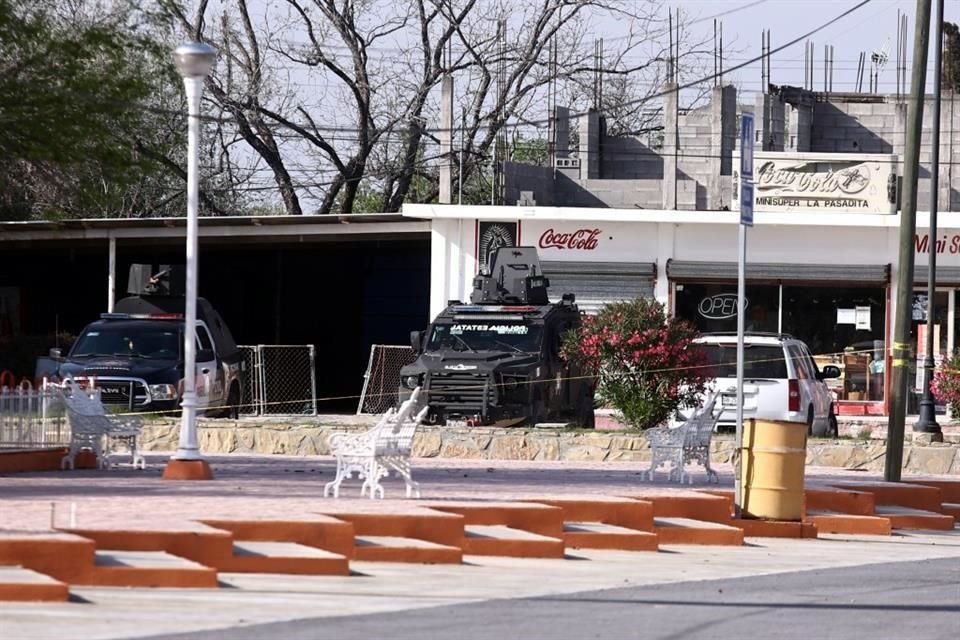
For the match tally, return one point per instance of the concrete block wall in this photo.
(847, 124)
(800, 122)
(518, 176)
(727, 118)
(590, 145)
(640, 194)
(699, 154)
(561, 133)
(627, 158)
(624, 171)
(770, 113)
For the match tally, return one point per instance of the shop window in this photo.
(843, 326)
(713, 307)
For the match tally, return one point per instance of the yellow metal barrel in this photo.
(772, 462)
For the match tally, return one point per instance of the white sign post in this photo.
(746, 220)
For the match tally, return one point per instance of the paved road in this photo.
(907, 600)
(589, 594)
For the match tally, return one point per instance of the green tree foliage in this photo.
(66, 89)
(91, 111)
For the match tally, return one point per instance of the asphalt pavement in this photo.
(677, 592)
(905, 600)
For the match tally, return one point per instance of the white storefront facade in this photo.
(826, 277)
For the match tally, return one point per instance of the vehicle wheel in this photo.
(538, 408)
(584, 414)
(233, 403)
(833, 429)
(810, 421)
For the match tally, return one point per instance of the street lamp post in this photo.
(927, 420)
(193, 61)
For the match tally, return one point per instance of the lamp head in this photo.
(194, 59)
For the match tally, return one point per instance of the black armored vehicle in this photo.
(134, 355)
(496, 361)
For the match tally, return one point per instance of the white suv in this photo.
(780, 380)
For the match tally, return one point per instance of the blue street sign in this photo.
(746, 147)
(746, 203)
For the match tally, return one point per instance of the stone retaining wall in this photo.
(527, 444)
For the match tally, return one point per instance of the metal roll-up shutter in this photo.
(945, 275)
(597, 283)
(693, 271)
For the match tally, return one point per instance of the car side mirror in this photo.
(205, 355)
(416, 341)
(830, 371)
(56, 353)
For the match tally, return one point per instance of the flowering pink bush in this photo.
(945, 385)
(646, 364)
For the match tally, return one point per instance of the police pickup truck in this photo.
(134, 355)
(496, 361)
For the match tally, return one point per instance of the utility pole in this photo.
(908, 227)
(927, 420)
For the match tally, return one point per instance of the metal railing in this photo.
(279, 379)
(382, 378)
(32, 419)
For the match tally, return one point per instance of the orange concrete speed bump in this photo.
(23, 585)
(414, 534)
(951, 509)
(949, 489)
(838, 500)
(516, 529)
(696, 505)
(912, 496)
(596, 522)
(599, 535)
(194, 541)
(775, 528)
(906, 518)
(252, 556)
(403, 549)
(148, 569)
(314, 530)
(62, 556)
(672, 530)
(849, 523)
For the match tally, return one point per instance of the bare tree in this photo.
(339, 99)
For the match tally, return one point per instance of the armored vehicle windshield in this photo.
(485, 335)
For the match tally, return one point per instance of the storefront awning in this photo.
(696, 271)
(945, 276)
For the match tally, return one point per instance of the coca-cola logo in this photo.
(581, 239)
(794, 178)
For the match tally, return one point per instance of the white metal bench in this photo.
(91, 428)
(373, 454)
(688, 441)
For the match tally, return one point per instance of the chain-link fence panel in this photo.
(382, 379)
(280, 380)
(249, 388)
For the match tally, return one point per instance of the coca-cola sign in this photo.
(580, 240)
(834, 182)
